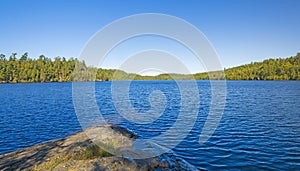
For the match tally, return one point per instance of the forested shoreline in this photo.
(43, 69)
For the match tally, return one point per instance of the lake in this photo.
(260, 127)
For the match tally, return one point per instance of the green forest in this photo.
(23, 69)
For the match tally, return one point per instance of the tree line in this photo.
(269, 69)
(43, 69)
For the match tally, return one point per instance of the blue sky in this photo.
(240, 30)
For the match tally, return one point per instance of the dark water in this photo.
(260, 127)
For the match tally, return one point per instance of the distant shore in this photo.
(137, 80)
(43, 69)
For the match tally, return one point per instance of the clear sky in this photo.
(240, 30)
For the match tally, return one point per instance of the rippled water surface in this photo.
(260, 127)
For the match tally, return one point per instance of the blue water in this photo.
(260, 127)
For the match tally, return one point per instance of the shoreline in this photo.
(11, 83)
(79, 152)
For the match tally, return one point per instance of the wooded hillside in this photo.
(60, 69)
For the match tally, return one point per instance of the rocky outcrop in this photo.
(84, 151)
